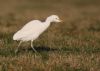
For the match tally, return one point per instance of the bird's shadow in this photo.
(40, 49)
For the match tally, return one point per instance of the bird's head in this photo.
(53, 18)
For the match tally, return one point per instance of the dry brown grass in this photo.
(77, 37)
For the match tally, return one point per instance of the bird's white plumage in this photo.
(29, 31)
(33, 29)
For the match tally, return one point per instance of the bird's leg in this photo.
(18, 47)
(33, 46)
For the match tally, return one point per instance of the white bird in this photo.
(33, 29)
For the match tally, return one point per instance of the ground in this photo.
(72, 45)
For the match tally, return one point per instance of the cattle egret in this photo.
(33, 29)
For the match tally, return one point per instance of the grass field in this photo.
(73, 45)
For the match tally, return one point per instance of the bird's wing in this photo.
(31, 25)
(28, 29)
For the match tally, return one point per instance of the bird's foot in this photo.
(34, 50)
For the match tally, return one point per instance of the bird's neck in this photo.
(47, 22)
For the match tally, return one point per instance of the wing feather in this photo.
(29, 29)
